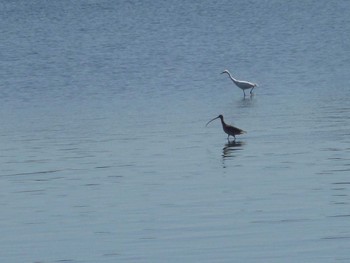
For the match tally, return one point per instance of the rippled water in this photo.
(105, 156)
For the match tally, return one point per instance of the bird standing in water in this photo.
(228, 129)
(243, 85)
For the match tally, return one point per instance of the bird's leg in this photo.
(251, 91)
(243, 92)
(228, 137)
(234, 138)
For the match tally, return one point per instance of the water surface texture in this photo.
(104, 152)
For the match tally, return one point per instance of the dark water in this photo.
(104, 154)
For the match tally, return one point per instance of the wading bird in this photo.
(228, 129)
(243, 85)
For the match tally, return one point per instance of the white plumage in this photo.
(241, 83)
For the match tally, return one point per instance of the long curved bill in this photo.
(211, 121)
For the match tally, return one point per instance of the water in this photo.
(104, 153)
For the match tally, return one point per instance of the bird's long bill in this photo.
(211, 121)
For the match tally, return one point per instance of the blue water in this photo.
(104, 152)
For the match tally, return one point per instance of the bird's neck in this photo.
(223, 123)
(232, 78)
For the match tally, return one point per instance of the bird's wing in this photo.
(246, 84)
(241, 131)
(237, 130)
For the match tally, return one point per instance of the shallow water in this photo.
(104, 152)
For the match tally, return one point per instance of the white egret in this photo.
(240, 83)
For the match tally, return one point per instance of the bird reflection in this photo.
(246, 101)
(231, 148)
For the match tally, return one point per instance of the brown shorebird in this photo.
(228, 129)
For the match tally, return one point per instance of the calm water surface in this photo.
(104, 152)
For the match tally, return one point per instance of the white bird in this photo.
(240, 83)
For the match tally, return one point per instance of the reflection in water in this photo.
(230, 148)
(246, 101)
